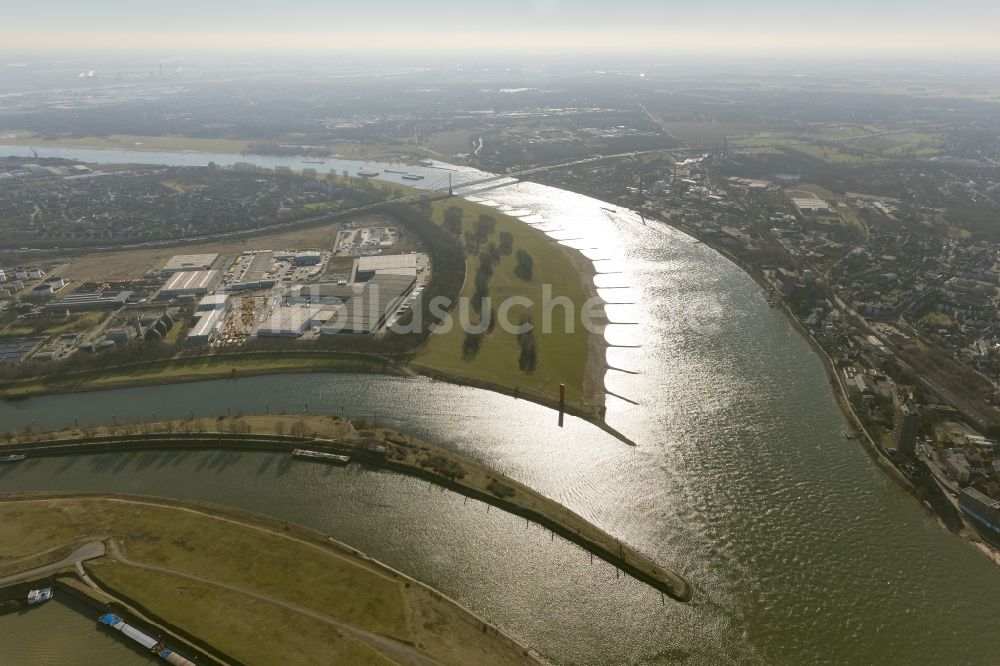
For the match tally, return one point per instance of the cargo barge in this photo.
(156, 647)
(321, 456)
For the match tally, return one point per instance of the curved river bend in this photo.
(800, 550)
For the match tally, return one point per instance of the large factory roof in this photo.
(387, 264)
(190, 262)
(205, 328)
(213, 302)
(89, 300)
(368, 304)
(807, 205)
(191, 282)
(260, 267)
(289, 321)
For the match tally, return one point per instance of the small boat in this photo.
(314, 161)
(411, 176)
(39, 596)
(393, 171)
(368, 174)
(334, 458)
(14, 457)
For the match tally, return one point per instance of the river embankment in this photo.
(371, 445)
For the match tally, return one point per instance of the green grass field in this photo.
(234, 623)
(902, 144)
(709, 133)
(192, 369)
(802, 190)
(238, 555)
(562, 356)
(850, 217)
(959, 232)
(451, 142)
(174, 143)
(937, 319)
(133, 142)
(79, 323)
(203, 547)
(835, 155)
(762, 150)
(835, 132)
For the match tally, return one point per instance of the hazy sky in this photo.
(845, 27)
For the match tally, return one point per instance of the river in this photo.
(799, 549)
(64, 631)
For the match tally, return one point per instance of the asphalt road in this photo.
(88, 551)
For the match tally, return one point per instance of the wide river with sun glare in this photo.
(798, 547)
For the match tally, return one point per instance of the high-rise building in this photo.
(905, 427)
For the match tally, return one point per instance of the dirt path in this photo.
(397, 651)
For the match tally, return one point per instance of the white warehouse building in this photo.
(291, 321)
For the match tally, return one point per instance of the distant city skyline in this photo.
(847, 28)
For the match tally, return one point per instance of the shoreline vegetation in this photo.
(239, 587)
(373, 445)
(184, 144)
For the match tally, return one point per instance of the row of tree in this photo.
(489, 257)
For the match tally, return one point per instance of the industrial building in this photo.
(205, 327)
(189, 262)
(809, 206)
(957, 465)
(209, 317)
(122, 334)
(291, 321)
(983, 509)
(13, 351)
(213, 302)
(253, 271)
(300, 258)
(190, 283)
(365, 306)
(307, 258)
(366, 268)
(58, 348)
(82, 301)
